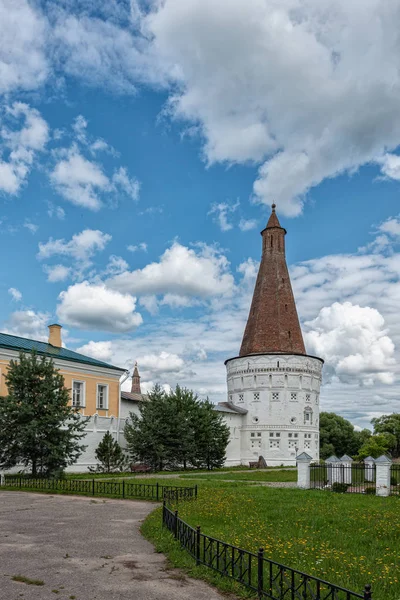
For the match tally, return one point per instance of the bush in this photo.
(339, 488)
(370, 490)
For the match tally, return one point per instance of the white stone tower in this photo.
(273, 378)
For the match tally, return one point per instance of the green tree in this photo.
(109, 455)
(389, 424)
(38, 427)
(211, 436)
(337, 436)
(376, 445)
(176, 430)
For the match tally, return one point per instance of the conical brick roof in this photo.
(273, 325)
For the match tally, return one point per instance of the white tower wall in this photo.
(281, 395)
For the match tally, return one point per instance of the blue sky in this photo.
(142, 145)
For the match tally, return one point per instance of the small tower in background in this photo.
(135, 389)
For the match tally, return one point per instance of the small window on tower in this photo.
(289, 334)
(275, 396)
(286, 307)
(256, 395)
(241, 396)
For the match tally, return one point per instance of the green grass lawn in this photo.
(347, 539)
(276, 475)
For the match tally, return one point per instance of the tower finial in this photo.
(273, 207)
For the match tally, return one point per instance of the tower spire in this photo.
(273, 324)
(135, 389)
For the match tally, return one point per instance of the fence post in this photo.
(2, 479)
(123, 488)
(260, 572)
(367, 592)
(198, 545)
(93, 487)
(346, 462)
(176, 524)
(195, 491)
(383, 464)
(303, 470)
(157, 490)
(369, 468)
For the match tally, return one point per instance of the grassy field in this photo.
(349, 540)
(276, 475)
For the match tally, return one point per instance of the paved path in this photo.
(84, 549)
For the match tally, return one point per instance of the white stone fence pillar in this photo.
(2, 479)
(347, 468)
(334, 470)
(383, 464)
(369, 463)
(303, 470)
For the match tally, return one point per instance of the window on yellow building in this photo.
(78, 393)
(102, 396)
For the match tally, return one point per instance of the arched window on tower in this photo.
(308, 416)
(272, 242)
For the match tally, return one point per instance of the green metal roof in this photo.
(14, 342)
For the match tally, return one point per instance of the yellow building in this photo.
(94, 385)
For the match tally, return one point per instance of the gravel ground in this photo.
(84, 549)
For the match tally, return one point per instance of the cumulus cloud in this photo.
(57, 273)
(100, 350)
(129, 185)
(27, 323)
(221, 212)
(15, 294)
(23, 135)
(134, 248)
(23, 61)
(79, 180)
(81, 247)
(94, 307)
(247, 224)
(181, 271)
(164, 362)
(354, 343)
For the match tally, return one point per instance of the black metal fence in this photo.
(357, 478)
(98, 487)
(395, 479)
(266, 577)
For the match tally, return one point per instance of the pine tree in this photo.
(177, 430)
(110, 455)
(38, 427)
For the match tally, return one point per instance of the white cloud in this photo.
(99, 350)
(150, 303)
(22, 140)
(31, 227)
(79, 180)
(23, 62)
(116, 265)
(15, 294)
(134, 248)
(391, 226)
(181, 271)
(164, 362)
(222, 210)
(390, 166)
(56, 211)
(129, 185)
(353, 342)
(79, 127)
(57, 273)
(27, 323)
(81, 247)
(247, 224)
(94, 307)
(310, 89)
(176, 301)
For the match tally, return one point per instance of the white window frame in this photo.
(105, 407)
(83, 403)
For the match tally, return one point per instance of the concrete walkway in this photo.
(84, 549)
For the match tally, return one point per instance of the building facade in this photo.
(95, 386)
(273, 385)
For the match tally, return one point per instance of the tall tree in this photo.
(376, 445)
(110, 455)
(38, 427)
(389, 424)
(211, 437)
(176, 430)
(337, 436)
